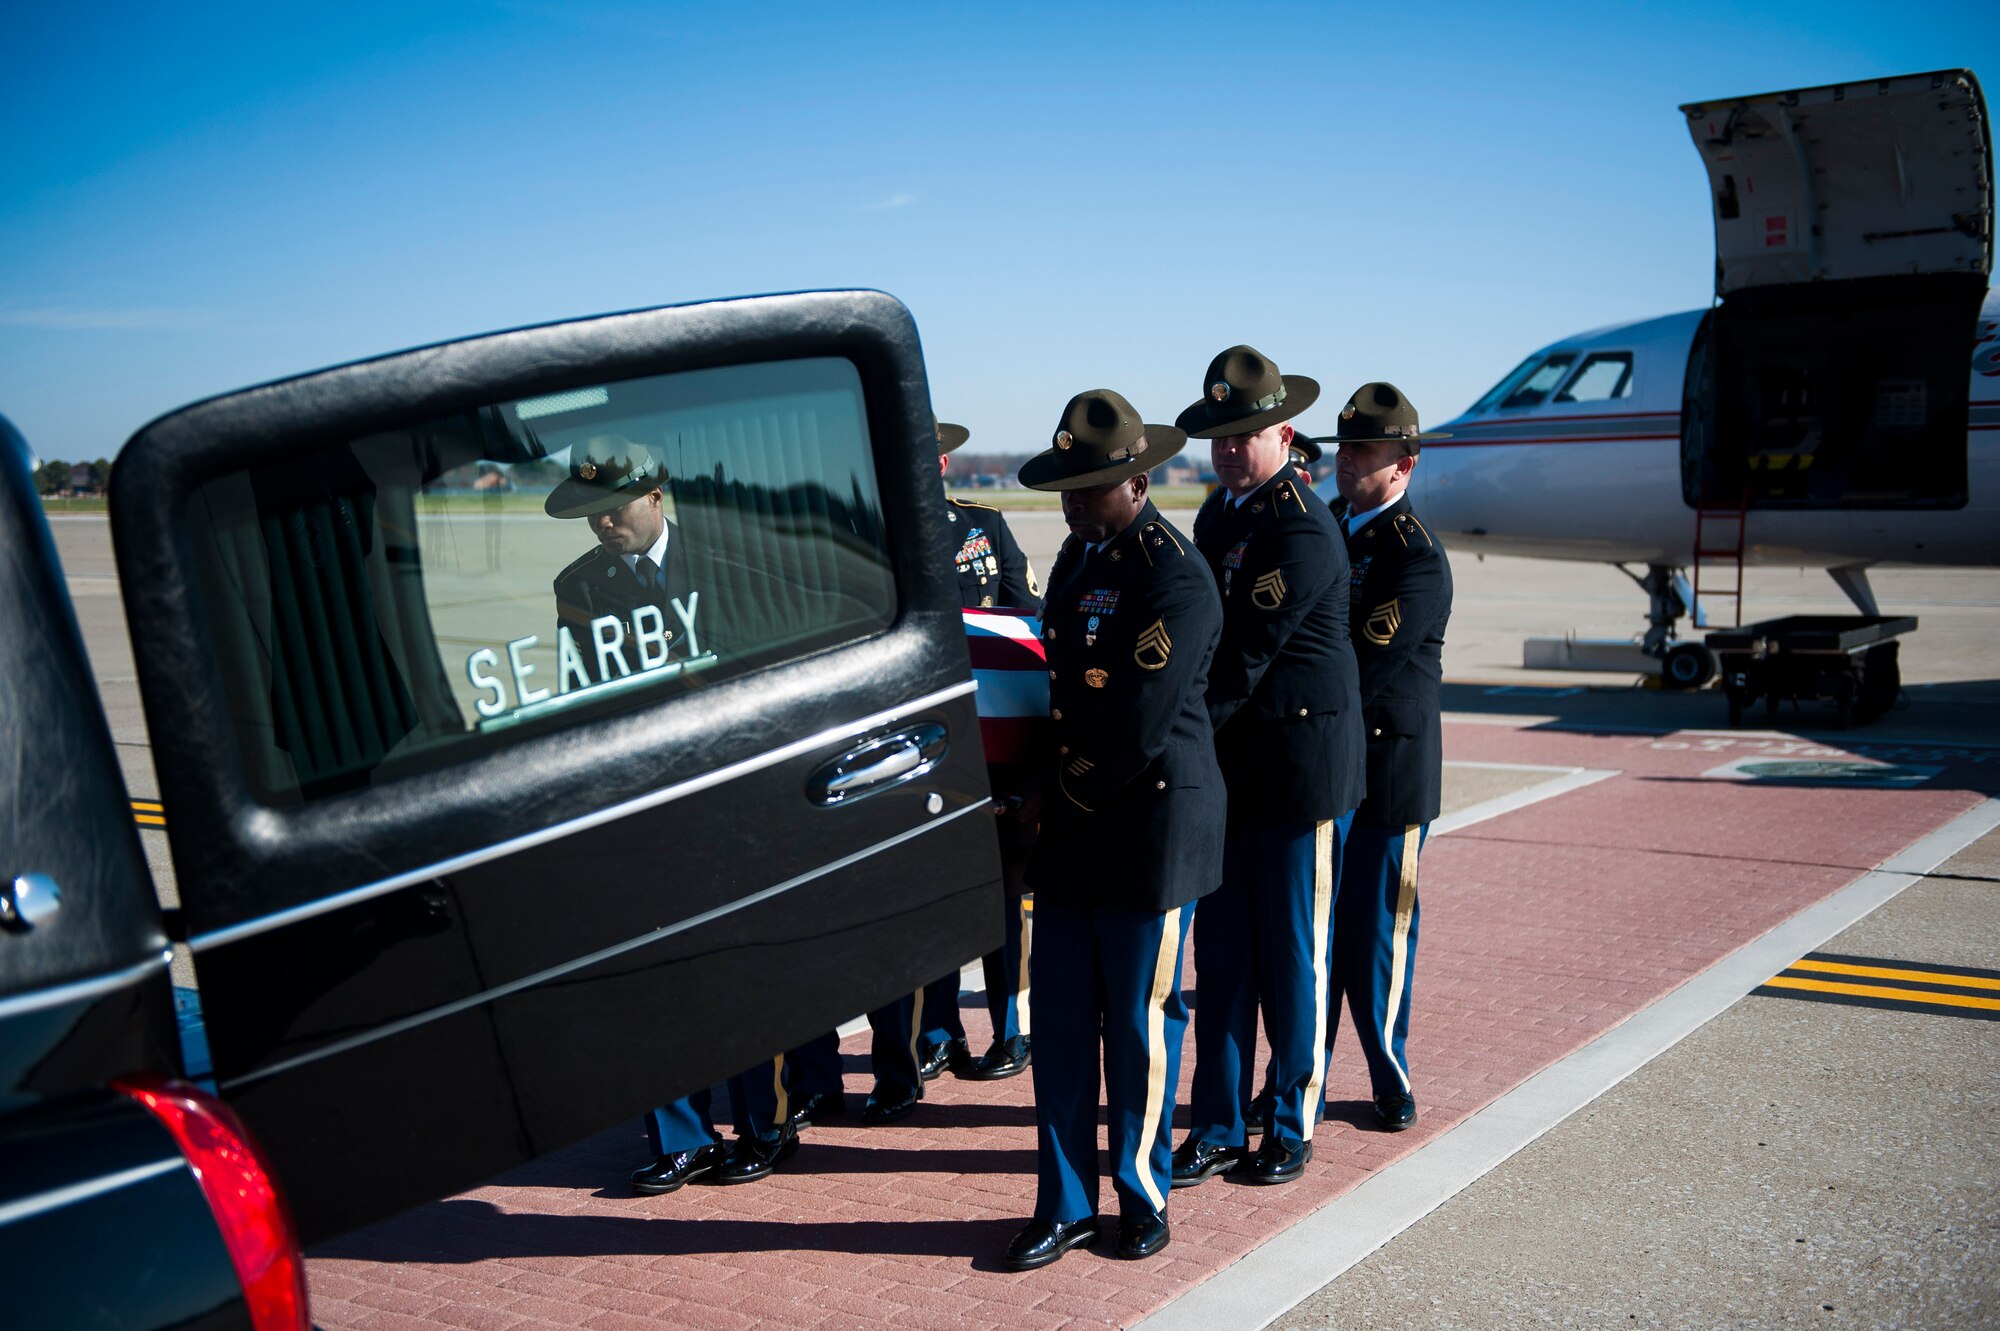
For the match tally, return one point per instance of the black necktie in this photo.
(651, 580)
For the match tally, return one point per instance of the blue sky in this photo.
(1067, 197)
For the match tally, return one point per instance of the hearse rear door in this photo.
(487, 834)
(1853, 244)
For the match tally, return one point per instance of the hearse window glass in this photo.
(1604, 376)
(391, 603)
(1542, 381)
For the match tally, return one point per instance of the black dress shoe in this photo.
(1197, 1159)
(1141, 1236)
(889, 1101)
(810, 1109)
(669, 1172)
(751, 1159)
(952, 1054)
(1396, 1110)
(1043, 1241)
(1006, 1058)
(1280, 1160)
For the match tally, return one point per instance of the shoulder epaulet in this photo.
(1288, 496)
(1159, 542)
(967, 503)
(576, 566)
(1411, 532)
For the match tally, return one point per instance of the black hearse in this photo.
(450, 900)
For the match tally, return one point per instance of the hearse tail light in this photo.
(256, 1225)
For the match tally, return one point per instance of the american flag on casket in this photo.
(1012, 672)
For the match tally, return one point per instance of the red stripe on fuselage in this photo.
(1566, 439)
(1580, 416)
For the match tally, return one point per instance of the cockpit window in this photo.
(1541, 381)
(1493, 395)
(1605, 375)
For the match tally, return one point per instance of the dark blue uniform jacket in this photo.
(991, 568)
(1282, 694)
(1132, 806)
(1401, 600)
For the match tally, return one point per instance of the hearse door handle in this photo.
(879, 764)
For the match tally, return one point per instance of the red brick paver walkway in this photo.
(1542, 929)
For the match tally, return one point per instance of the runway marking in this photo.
(1881, 970)
(1274, 1277)
(1899, 986)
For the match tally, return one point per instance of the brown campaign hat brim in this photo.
(1046, 470)
(951, 436)
(580, 499)
(1209, 419)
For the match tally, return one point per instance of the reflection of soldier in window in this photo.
(628, 605)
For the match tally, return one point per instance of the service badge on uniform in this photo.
(1154, 647)
(1383, 622)
(1268, 592)
(1095, 677)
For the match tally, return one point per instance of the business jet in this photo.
(1837, 406)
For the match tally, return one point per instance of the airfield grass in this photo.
(1030, 501)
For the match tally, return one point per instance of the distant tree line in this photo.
(73, 478)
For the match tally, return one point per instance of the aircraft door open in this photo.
(1853, 230)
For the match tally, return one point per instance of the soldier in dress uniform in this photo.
(1282, 699)
(628, 604)
(1131, 828)
(1400, 602)
(992, 572)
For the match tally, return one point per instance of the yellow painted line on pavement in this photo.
(1891, 973)
(1882, 991)
(149, 813)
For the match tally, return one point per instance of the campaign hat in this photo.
(1306, 449)
(606, 471)
(1378, 413)
(949, 436)
(1100, 439)
(1242, 393)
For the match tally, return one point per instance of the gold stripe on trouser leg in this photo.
(778, 1088)
(916, 1030)
(1399, 940)
(1027, 942)
(1156, 1053)
(1322, 920)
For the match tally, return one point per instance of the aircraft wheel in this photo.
(1688, 666)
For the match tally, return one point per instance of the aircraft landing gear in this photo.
(1687, 665)
(1683, 665)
